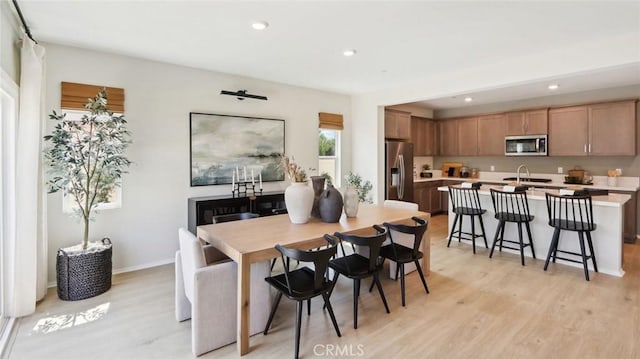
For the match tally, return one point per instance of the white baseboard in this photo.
(133, 268)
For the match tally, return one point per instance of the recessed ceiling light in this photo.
(349, 53)
(553, 87)
(260, 25)
(468, 99)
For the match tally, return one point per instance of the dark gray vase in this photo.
(330, 205)
(318, 187)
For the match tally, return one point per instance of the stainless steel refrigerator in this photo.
(399, 171)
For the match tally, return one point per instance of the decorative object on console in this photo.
(298, 196)
(425, 171)
(86, 162)
(222, 143)
(330, 205)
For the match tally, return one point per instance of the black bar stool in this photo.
(466, 202)
(571, 213)
(512, 207)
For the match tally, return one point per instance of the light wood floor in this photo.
(478, 308)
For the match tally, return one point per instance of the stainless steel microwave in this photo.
(531, 145)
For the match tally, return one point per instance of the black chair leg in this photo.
(298, 324)
(308, 307)
(356, 290)
(373, 282)
(495, 238)
(273, 263)
(483, 233)
(584, 256)
(533, 251)
(379, 285)
(552, 247)
(453, 226)
(473, 233)
(424, 281)
(402, 281)
(460, 228)
(593, 254)
(273, 312)
(331, 315)
(502, 236)
(521, 243)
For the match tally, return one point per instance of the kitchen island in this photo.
(608, 214)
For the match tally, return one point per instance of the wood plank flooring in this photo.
(478, 308)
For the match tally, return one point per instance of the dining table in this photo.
(254, 240)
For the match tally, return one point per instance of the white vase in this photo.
(351, 201)
(298, 198)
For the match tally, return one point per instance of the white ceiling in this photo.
(397, 42)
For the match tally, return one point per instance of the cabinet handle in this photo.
(585, 148)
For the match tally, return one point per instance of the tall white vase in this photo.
(299, 200)
(351, 201)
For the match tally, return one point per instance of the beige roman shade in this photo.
(74, 96)
(330, 120)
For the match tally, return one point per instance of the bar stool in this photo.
(512, 207)
(466, 202)
(571, 213)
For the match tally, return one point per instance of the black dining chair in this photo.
(358, 267)
(401, 254)
(304, 283)
(512, 207)
(571, 213)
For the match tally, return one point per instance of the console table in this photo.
(201, 210)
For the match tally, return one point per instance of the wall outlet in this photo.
(560, 170)
(493, 168)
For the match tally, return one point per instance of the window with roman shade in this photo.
(330, 125)
(74, 96)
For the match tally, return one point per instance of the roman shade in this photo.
(74, 96)
(330, 121)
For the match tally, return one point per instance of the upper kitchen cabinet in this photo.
(448, 130)
(397, 124)
(491, 132)
(612, 129)
(533, 122)
(468, 136)
(605, 129)
(423, 136)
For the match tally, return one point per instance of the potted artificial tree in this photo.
(86, 161)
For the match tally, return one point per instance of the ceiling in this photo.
(397, 42)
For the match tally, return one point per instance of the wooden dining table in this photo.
(254, 240)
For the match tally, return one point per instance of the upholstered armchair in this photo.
(206, 293)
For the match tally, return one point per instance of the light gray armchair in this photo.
(206, 293)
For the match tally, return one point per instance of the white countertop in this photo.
(612, 200)
(628, 184)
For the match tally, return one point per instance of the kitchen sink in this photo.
(528, 179)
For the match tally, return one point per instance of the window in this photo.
(329, 154)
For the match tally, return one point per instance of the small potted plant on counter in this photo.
(425, 171)
(86, 161)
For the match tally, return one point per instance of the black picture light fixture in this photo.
(242, 94)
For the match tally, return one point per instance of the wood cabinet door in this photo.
(568, 131)
(448, 137)
(612, 129)
(491, 132)
(421, 196)
(514, 123)
(536, 122)
(435, 200)
(468, 136)
(397, 125)
(429, 137)
(422, 136)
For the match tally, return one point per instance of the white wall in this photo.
(158, 99)
(580, 58)
(9, 34)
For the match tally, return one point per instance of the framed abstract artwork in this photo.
(224, 144)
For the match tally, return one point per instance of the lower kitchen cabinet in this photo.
(428, 197)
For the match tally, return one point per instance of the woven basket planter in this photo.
(85, 274)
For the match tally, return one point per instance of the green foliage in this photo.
(327, 178)
(362, 187)
(327, 145)
(86, 157)
(426, 167)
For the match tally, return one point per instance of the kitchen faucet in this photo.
(518, 173)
